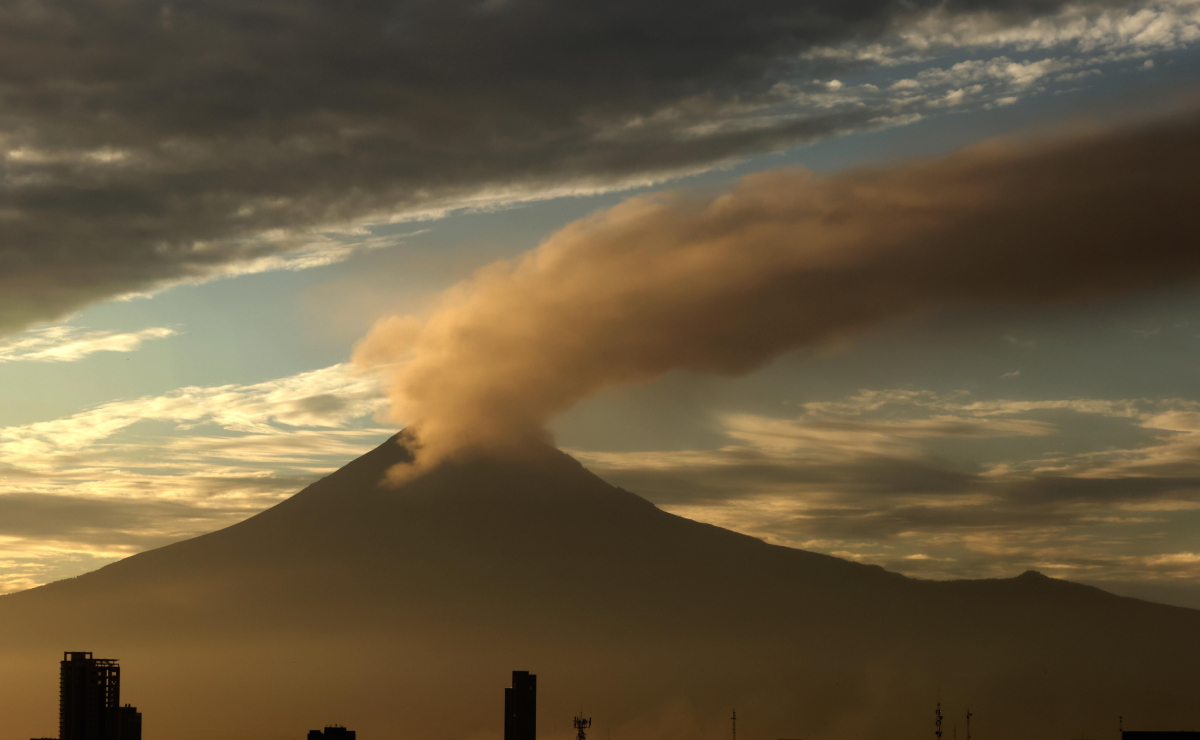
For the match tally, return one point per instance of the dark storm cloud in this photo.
(149, 142)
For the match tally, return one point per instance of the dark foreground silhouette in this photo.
(402, 611)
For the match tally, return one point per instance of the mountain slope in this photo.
(400, 610)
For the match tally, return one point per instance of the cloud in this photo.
(1089, 28)
(49, 517)
(320, 398)
(146, 145)
(786, 260)
(69, 343)
(99, 485)
(832, 438)
(879, 491)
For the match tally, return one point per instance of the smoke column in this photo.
(785, 260)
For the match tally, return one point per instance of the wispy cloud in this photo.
(69, 343)
(1093, 30)
(124, 476)
(325, 398)
(893, 477)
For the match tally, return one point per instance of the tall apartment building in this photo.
(520, 707)
(89, 701)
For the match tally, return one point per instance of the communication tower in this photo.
(581, 727)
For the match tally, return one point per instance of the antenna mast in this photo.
(734, 720)
(581, 726)
(968, 723)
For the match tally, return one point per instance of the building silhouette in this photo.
(520, 707)
(334, 732)
(124, 723)
(1168, 735)
(89, 701)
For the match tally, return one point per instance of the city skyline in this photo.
(90, 709)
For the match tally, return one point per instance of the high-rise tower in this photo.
(520, 707)
(89, 701)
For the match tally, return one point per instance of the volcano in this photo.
(400, 611)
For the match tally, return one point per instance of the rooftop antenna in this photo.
(968, 723)
(937, 724)
(734, 720)
(581, 726)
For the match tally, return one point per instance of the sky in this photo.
(242, 243)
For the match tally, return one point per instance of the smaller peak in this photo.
(1033, 575)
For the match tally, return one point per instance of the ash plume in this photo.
(786, 260)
